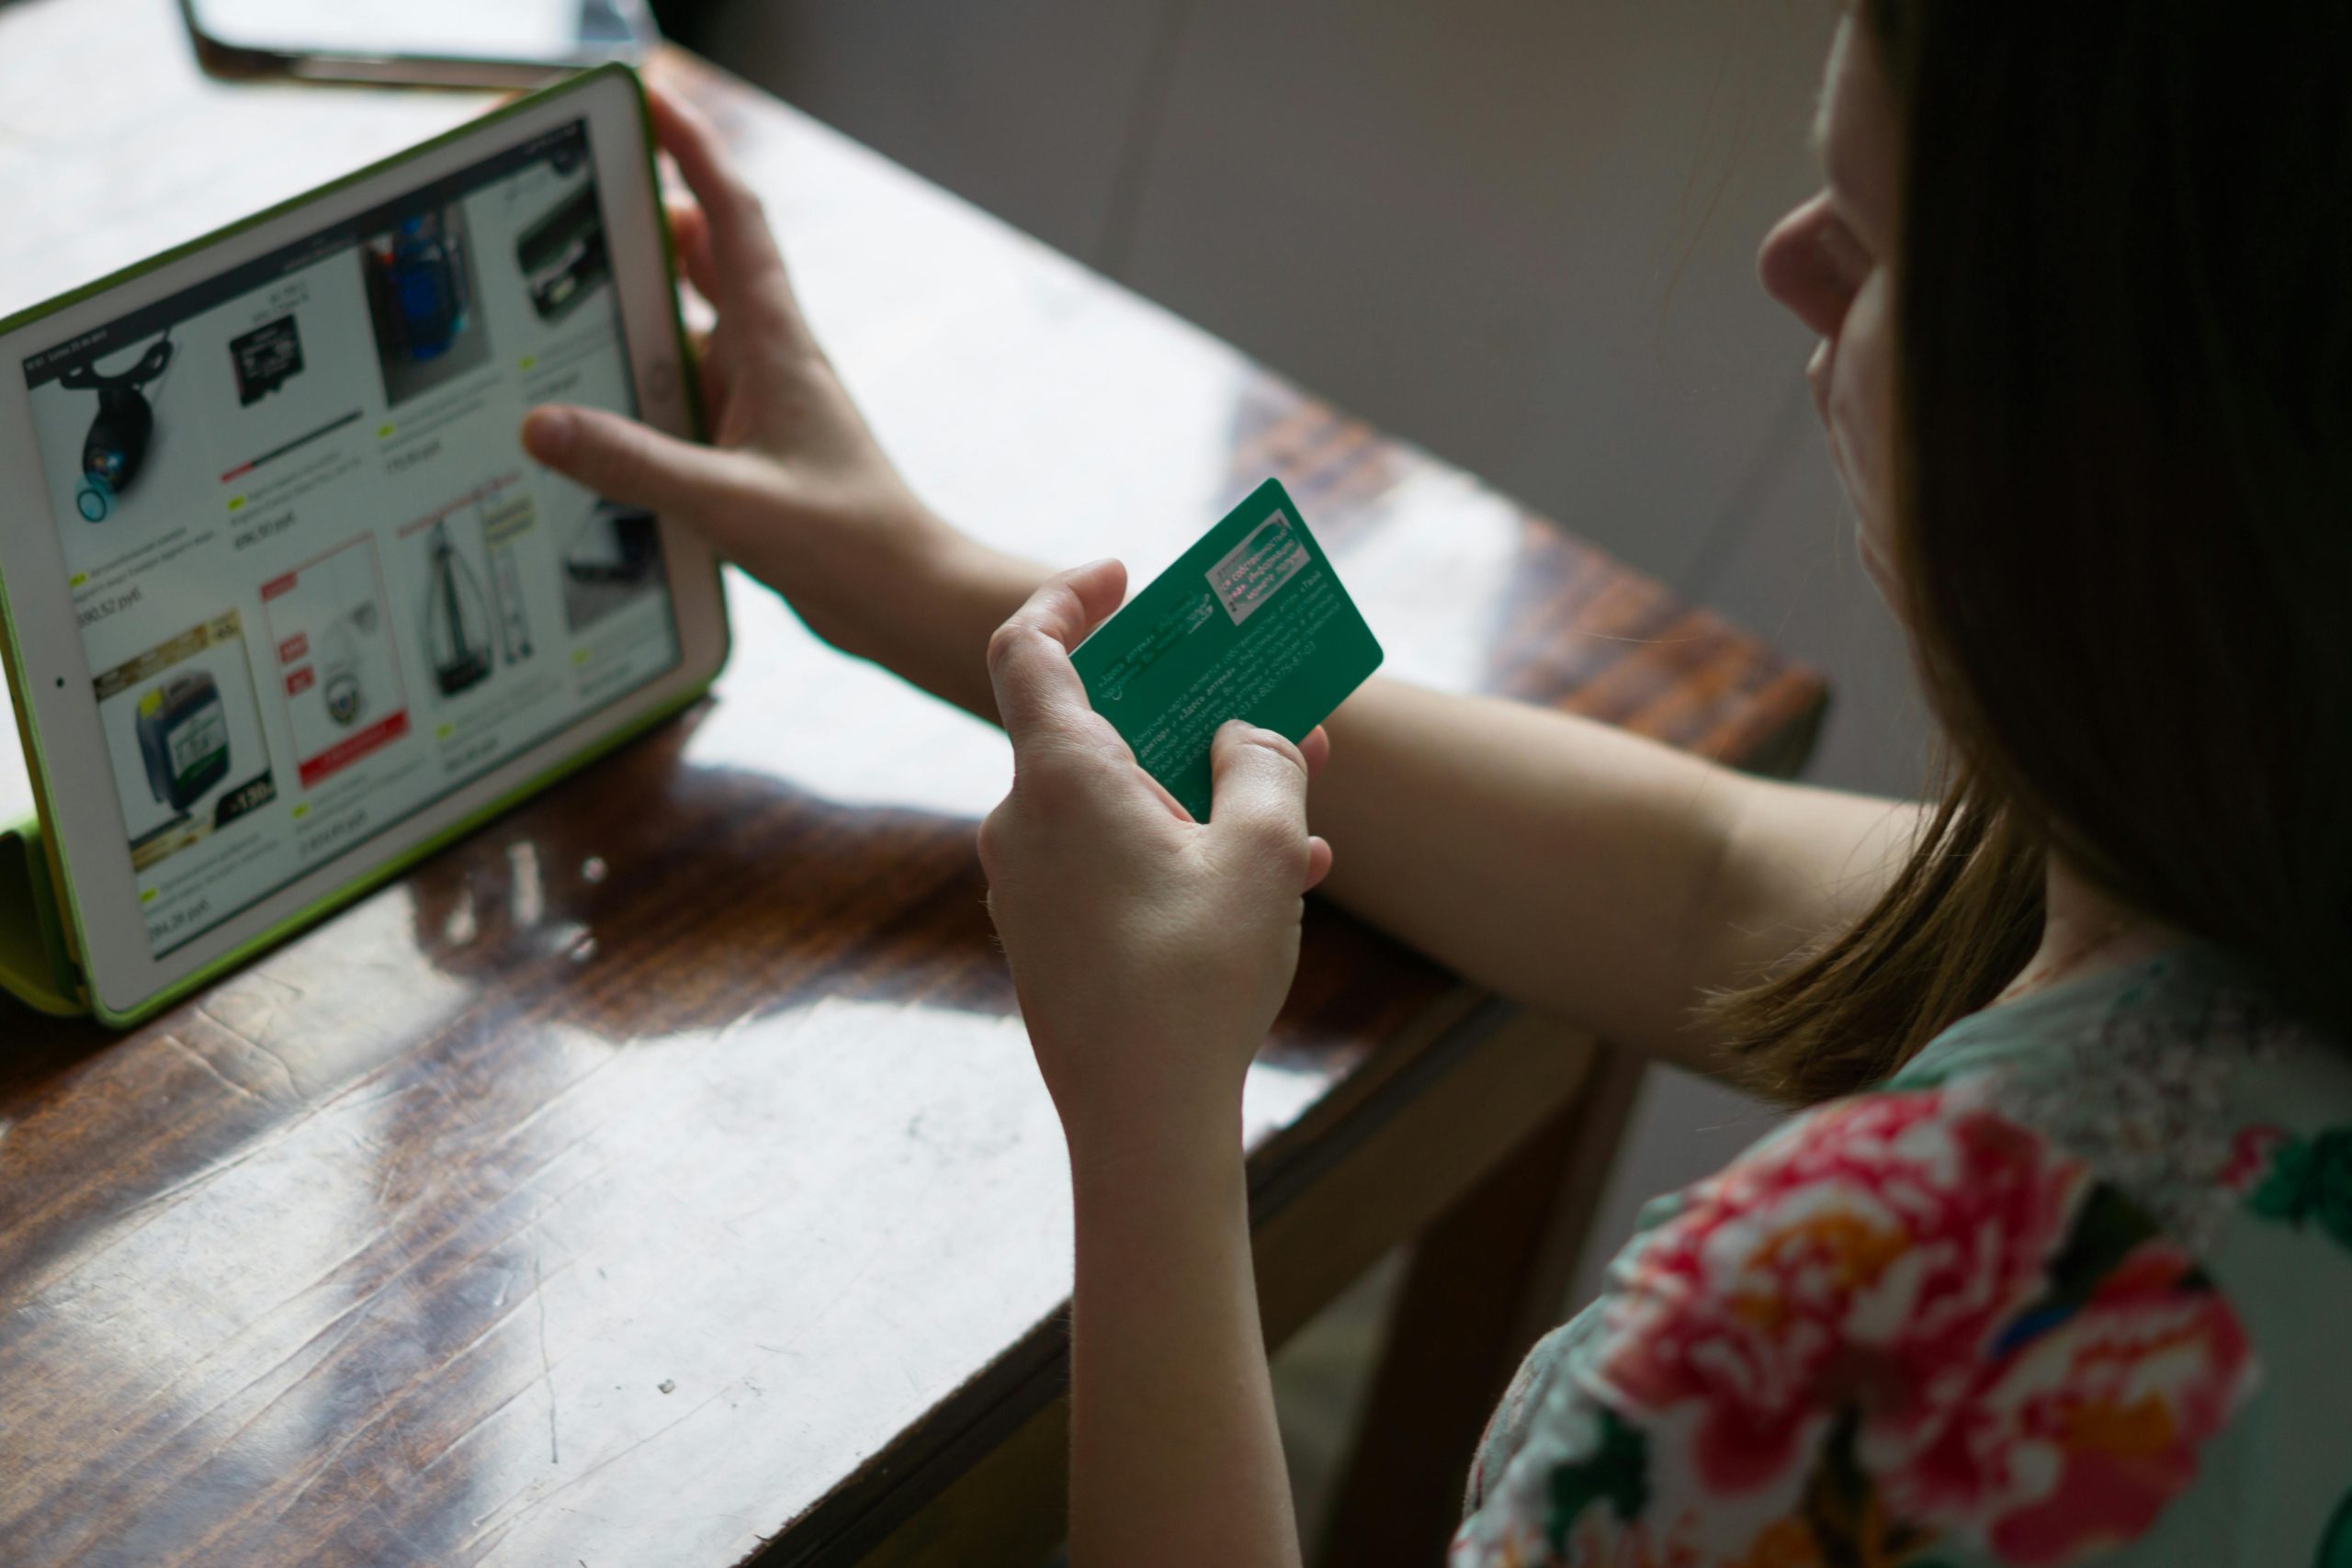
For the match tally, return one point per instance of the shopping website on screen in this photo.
(318, 583)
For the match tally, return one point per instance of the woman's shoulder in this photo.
(2176, 1081)
(1967, 1317)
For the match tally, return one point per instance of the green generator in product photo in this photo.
(184, 738)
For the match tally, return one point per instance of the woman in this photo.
(2051, 1273)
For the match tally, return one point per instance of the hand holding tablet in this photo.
(792, 486)
(288, 605)
(320, 611)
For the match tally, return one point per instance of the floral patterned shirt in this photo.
(2073, 1287)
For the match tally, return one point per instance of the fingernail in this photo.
(549, 433)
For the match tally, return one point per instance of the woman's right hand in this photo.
(1149, 952)
(793, 488)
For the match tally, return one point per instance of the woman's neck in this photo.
(2084, 929)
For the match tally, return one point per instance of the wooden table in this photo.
(661, 1176)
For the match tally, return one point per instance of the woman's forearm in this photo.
(1175, 1458)
(1559, 860)
(936, 601)
(1574, 866)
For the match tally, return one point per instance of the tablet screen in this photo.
(318, 585)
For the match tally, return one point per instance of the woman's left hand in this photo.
(1150, 952)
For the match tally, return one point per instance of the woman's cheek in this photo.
(1861, 420)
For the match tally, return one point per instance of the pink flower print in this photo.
(2089, 1429)
(1911, 1292)
(1865, 1256)
(2250, 1151)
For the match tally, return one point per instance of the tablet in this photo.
(285, 605)
(442, 42)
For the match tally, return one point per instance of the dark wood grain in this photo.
(661, 1171)
(1485, 1281)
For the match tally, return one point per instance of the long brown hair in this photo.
(2124, 519)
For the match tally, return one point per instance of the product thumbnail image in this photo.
(184, 738)
(265, 359)
(420, 293)
(612, 559)
(506, 520)
(116, 448)
(456, 621)
(345, 697)
(562, 255)
(338, 671)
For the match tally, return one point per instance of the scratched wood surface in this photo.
(662, 1172)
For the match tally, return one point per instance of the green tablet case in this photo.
(39, 959)
(34, 963)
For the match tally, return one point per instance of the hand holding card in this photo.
(1150, 950)
(1250, 623)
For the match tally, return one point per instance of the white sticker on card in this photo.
(1248, 575)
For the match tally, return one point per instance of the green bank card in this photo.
(1250, 623)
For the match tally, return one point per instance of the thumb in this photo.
(623, 461)
(1039, 694)
(1258, 802)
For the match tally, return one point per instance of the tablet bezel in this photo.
(84, 829)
